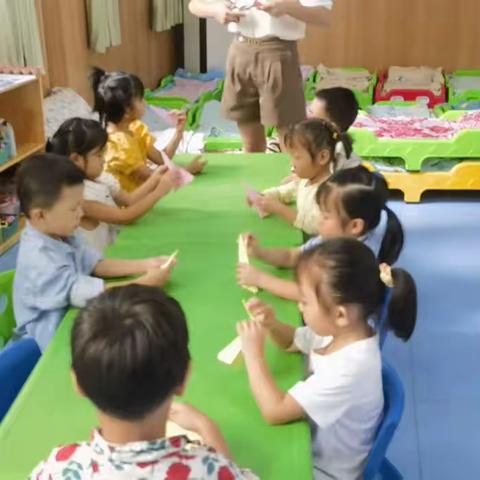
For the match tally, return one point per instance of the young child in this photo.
(120, 104)
(353, 203)
(130, 358)
(105, 205)
(342, 396)
(339, 106)
(311, 145)
(55, 270)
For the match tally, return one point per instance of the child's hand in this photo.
(170, 180)
(252, 336)
(158, 262)
(252, 244)
(196, 165)
(261, 313)
(157, 277)
(180, 120)
(157, 174)
(269, 204)
(189, 417)
(248, 275)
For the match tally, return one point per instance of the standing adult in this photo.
(263, 82)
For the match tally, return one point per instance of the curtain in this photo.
(20, 43)
(166, 14)
(104, 24)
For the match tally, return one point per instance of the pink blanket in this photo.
(426, 128)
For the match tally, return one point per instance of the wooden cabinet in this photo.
(21, 105)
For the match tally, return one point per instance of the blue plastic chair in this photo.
(378, 467)
(16, 363)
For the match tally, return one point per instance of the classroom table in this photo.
(203, 221)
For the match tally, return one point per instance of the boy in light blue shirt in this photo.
(55, 270)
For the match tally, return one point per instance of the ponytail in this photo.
(77, 135)
(347, 142)
(402, 308)
(345, 271)
(114, 93)
(392, 243)
(96, 77)
(359, 193)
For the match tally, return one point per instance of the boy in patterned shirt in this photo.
(130, 357)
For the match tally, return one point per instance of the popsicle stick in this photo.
(171, 258)
(243, 258)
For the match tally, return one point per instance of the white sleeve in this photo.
(305, 340)
(324, 398)
(286, 193)
(317, 3)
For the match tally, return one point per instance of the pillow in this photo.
(62, 104)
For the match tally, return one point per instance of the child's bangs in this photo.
(331, 198)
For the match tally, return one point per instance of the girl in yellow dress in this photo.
(120, 104)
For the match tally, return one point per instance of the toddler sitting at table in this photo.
(129, 358)
(55, 269)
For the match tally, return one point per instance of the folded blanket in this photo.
(418, 128)
(414, 78)
(339, 77)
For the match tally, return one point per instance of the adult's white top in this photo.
(259, 24)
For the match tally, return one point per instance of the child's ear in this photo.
(356, 227)
(78, 160)
(76, 386)
(180, 390)
(341, 319)
(36, 214)
(323, 157)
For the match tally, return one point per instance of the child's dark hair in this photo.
(358, 193)
(130, 350)
(346, 270)
(78, 135)
(341, 106)
(114, 93)
(315, 135)
(41, 178)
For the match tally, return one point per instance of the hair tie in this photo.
(386, 275)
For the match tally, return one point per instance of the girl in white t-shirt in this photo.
(341, 287)
(106, 206)
(353, 203)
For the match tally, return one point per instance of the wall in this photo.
(192, 39)
(379, 33)
(149, 54)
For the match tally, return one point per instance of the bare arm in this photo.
(123, 216)
(278, 257)
(219, 11)
(156, 156)
(311, 15)
(252, 276)
(276, 406)
(111, 268)
(126, 198)
(270, 204)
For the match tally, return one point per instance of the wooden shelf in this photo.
(13, 239)
(23, 152)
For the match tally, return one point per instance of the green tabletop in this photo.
(203, 222)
